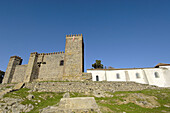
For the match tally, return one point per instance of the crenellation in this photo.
(34, 53)
(76, 35)
(15, 57)
(61, 52)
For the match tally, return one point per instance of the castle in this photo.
(56, 66)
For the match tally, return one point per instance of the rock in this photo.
(13, 105)
(30, 97)
(98, 93)
(21, 107)
(167, 106)
(78, 103)
(163, 111)
(66, 95)
(29, 108)
(18, 86)
(74, 105)
(141, 100)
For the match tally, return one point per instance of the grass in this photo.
(107, 104)
(45, 98)
(162, 95)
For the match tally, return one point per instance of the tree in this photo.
(97, 65)
(110, 67)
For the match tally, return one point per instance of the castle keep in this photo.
(68, 65)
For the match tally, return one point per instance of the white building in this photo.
(158, 75)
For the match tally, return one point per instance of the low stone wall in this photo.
(83, 87)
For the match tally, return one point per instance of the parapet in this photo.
(34, 53)
(16, 57)
(61, 52)
(74, 35)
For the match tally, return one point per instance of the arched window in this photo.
(97, 78)
(118, 76)
(61, 62)
(156, 75)
(137, 75)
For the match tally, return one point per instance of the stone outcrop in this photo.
(140, 99)
(13, 88)
(12, 105)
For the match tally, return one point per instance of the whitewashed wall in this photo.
(99, 73)
(152, 79)
(145, 76)
(112, 75)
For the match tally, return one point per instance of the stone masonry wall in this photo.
(50, 68)
(83, 87)
(14, 60)
(73, 57)
(19, 73)
(32, 68)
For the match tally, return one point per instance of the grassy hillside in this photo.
(145, 101)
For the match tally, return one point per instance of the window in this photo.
(97, 78)
(117, 76)
(61, 62)
(156, 75)
(137, 75)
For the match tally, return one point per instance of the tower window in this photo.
(118, 76)
(156, 75)
(137, 75)
(61, 62)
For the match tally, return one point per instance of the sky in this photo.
(120, 33)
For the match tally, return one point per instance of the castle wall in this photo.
(50, 69)
(87, 87)
(19, 73)
(32, 68)
(14, 60)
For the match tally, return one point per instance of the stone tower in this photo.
(13, 62)
(74, 58)
(32, 68)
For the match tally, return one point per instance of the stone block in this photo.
(78, 103)
(18, 86)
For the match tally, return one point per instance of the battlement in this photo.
(61, 52)
(16, 57)
(74, 35)
(36, 53)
